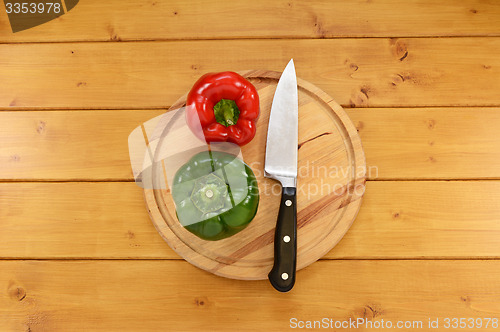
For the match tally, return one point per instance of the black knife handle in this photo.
(282, 275)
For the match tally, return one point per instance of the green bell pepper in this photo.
(215, 194)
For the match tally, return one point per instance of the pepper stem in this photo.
(226, 112)
(209, 193)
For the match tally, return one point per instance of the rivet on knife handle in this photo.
(282, 275)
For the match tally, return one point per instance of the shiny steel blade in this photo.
(282, 134)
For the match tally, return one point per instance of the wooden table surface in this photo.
(419, 79)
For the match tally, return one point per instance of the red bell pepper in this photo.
(226, 105)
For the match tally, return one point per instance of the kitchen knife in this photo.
(281, 165)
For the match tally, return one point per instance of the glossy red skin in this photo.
(207, 92)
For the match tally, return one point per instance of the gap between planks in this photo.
(14, 109)
(243, 39)
(132, 181)
(409, 259)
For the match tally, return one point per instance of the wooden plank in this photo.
(171, 295)
(430, 143)
(420, 219)
(425, 219)
(355, 72)
(147, 19)
(68, 145)
(88, 220)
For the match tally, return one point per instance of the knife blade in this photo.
(281, 165)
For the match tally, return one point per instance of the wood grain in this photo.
(430, 143)
(107, 220)
(355, 72)
(62, 145)
(159, 295)
(397, 220)
(120, 20)
(406, 143)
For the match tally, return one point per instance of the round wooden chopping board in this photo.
(330, 184)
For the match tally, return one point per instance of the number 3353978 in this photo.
(32, 8)
(462, 323)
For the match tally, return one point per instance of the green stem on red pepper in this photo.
(226, 112)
